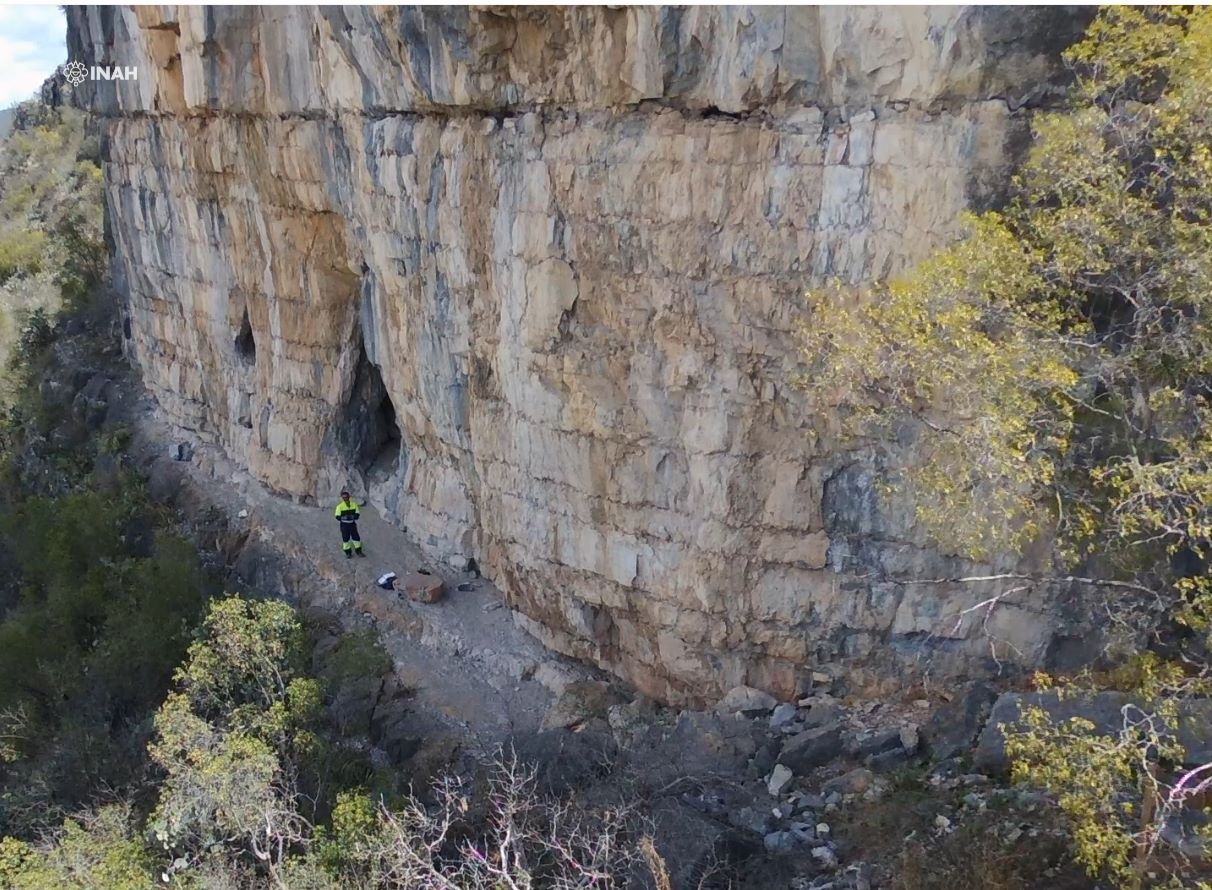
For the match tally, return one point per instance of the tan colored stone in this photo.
(574, 242)
(421, 587)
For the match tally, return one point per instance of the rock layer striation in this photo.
(528, 279)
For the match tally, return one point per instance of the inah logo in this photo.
(75, 73)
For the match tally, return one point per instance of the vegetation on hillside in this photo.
(239, 798)
(98, 595)
(51, 241)
(1054, 368)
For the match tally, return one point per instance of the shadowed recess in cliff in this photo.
(367, 432)
(246, 344)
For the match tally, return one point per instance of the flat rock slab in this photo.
(421, 588)
(746, 700)
(1106, 710)
(812, 748)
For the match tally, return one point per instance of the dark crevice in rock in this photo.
(1043, 97)
(246, 344)
(711, 112)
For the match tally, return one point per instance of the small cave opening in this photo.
(387, 440)
(246, 344)
(368, 432)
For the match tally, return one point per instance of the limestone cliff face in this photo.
(529, 279)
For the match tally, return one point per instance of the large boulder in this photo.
(1106, 710)
(579, 702)
(857, 781)
(868, 744)
(819, 710)
(422, 587)
(631, 719)
(812, 748)
(952, 729)
(698, 744)
(746, 700)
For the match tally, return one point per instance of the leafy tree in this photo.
(235, 735)
(81, 249)
(98, 850)
(231, 737)
(1053, 368)
(52, 247)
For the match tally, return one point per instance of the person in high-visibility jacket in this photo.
(347, 515)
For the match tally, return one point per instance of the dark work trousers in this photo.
(350, 539)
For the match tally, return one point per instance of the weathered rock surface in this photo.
(745, 700)
(812, 748)
(953, 727)
(581, 701)
(527, 280)
(1109, 712)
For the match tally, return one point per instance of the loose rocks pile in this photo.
(784, 769)
(786, 781)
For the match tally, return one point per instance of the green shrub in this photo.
(89, 852)
(357, 655)
(82, 256)
(37, 333)
(114, 440)
(105, 610)
(231, 736)
(22, 252)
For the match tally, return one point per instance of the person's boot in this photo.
(360, 552)
(349, 554)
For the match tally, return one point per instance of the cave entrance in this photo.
(369, 432)
(246, 345)
(386, 443)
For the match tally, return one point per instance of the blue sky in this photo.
(31, 44)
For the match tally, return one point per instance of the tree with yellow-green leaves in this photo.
(231, 736)
(88, 852)
(1055, 365)
(52, 249)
